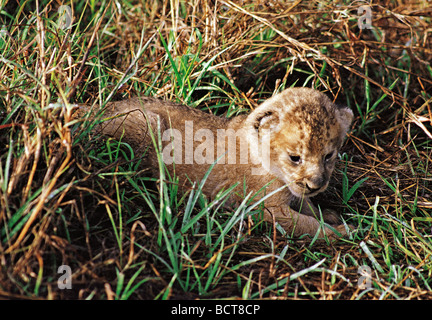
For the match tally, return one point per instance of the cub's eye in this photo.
(295, 159)
(328, 156)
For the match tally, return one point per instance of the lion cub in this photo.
(290, 142)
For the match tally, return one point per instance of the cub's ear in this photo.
(267, 116)
(268, 119)
(345, 116)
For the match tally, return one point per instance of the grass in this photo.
(69, 198)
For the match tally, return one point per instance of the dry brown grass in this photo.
(64, 203)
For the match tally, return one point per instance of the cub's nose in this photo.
(314, 185)
(311, 190)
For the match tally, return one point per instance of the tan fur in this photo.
(299, 123)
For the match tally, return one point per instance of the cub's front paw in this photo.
(341, 231)
(331, 217)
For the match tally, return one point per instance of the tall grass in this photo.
(69, 197)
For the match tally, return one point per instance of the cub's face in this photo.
(305, 151)
(305, 131)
